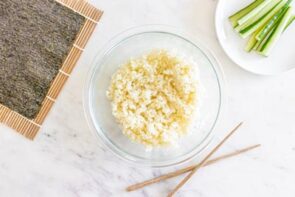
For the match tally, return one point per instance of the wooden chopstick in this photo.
(203, 161)
(187, 169)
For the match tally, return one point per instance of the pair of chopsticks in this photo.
(193, 169)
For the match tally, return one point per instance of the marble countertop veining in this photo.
(66, 160)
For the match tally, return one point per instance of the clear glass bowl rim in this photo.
(116, 40)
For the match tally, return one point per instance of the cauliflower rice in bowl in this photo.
(154, 98)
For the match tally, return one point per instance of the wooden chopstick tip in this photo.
(130, 188)
(151, 181)
(240, 124)
(189, 168)
(178, 186)
(255, 146)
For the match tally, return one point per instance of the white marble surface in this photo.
(66, 160)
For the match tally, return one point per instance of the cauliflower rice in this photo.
(154, 97)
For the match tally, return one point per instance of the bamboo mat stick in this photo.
(187, 169)
(203, 161)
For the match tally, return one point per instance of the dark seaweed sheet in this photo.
(35, 38)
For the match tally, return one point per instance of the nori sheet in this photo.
(35, 38)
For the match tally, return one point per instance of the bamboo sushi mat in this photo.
(27, 127)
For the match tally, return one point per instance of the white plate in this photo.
(281, 58)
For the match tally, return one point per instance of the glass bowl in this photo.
(135, 42)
